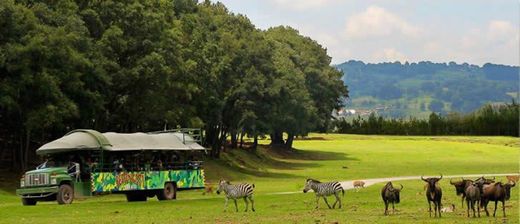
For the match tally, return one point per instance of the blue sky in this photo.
(473, 31)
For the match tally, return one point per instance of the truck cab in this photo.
(46, 184)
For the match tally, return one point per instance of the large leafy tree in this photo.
(310, 87)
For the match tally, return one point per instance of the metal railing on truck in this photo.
(195, 133)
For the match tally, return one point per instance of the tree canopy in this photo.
(139, 65)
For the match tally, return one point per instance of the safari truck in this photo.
(140, 165)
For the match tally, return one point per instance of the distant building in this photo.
(341, 113)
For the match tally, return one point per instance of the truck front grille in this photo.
(36, 179)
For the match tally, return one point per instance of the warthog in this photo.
(358, 184)
(512, 178)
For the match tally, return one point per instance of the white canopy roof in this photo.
(111, 141)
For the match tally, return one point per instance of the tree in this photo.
(309, 80)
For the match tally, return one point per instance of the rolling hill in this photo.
(417, 89)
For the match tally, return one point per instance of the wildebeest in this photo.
(472, 193)
(460, 187)
(433, 194)
(358, 184)
(496, 192)
(324, 190)
(482, 180)
(390, 195)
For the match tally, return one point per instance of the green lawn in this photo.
(326, 157)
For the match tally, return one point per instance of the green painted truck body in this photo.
(43, 183)
(146, 180)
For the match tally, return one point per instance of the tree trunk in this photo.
(26, 150)
(289, 142)
(242, 140)
(255, 143)
(221, 142)
(13, 159)
(234, 140)
(212, 140)
(20, 153)
(277, 139)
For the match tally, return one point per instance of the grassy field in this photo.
(324, 157)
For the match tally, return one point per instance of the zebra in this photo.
(236, 191)
(324, 190)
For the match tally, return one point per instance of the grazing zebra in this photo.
(237, 191)
(324, 190)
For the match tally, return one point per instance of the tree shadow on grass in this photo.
(261, 163)
(296, 154)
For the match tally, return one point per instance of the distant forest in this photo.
(417, 89)
(500, 119)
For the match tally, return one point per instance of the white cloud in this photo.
(376, 35)
(389, 54)
(501, 31)
(497, 42)
(378, 22)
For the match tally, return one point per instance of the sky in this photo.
(472, 31)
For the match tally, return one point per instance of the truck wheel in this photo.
(135, 196)
(169, 192)
(65, 194)
(28, 201)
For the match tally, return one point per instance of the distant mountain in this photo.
(416, 89)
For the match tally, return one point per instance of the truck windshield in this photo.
(46, 164)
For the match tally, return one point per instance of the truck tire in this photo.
(28, 201)
(65, 194)
(169, 192)
(136, 196)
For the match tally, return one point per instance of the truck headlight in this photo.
(53, 180)
(22, 183)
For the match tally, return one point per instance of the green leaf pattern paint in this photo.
(145, 180)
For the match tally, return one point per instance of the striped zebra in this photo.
(237, 191)
(324, 190)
